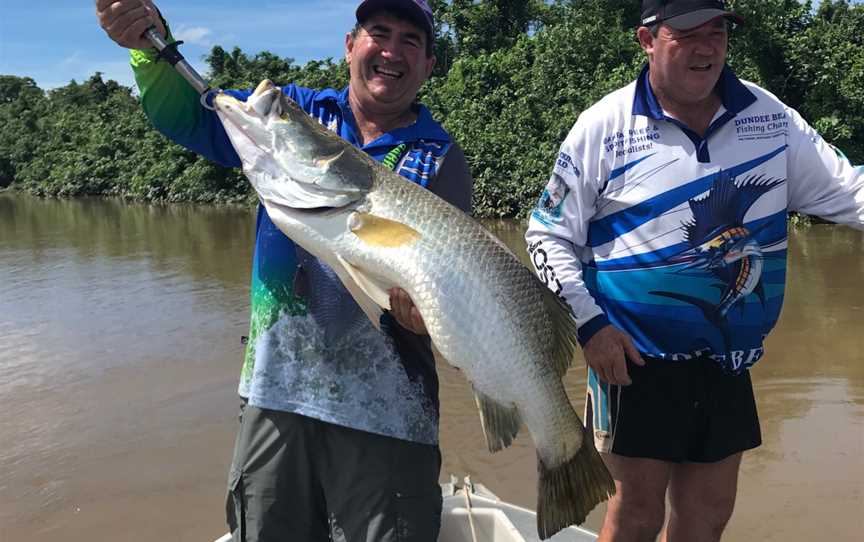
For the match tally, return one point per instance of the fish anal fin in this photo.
(381, 232)
(500, 422)
(568, 492)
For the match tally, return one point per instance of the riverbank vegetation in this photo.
(512, 76)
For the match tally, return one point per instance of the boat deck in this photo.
(494, 520)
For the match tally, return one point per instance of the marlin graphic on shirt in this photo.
(722, 246)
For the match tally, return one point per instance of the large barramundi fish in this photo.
(485, 312)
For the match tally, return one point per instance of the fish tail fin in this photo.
(500, 423)
(568, 492)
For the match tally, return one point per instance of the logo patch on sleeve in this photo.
(552, 200)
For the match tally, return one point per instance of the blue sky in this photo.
(55, 41)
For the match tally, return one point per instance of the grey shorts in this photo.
(298, 479)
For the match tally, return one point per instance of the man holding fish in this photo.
(339, 424)
(664, 227)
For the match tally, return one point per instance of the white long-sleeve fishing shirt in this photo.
(677, 239)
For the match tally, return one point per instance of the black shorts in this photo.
(677, 411)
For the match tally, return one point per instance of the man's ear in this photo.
(430, 65)
(349, 47)
(646, 39)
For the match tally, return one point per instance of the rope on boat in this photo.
(467, 489)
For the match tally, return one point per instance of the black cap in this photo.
(685, 14)
(418, 10)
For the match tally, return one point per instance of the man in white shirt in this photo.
(664, 228)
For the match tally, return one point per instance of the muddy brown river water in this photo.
(120, 350)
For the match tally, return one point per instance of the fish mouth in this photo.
(747, 251)
(263, 87)
(261, 104)
(265, 100)
(226, 102)
(244, 117)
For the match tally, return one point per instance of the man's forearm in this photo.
(174, 109)
(559, 268)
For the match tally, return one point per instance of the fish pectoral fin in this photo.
(370, 307)
(381, 232)
(375, 290)
(500, 422)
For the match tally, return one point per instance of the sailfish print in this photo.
(720, 245)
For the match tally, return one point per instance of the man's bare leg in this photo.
(701, 498)
(637, 511)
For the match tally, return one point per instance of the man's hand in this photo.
(607, 352)
(126, 20)
(404, 311)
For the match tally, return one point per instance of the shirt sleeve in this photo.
(558, 229)
(822, 181)
(174, 109)
(453, 182)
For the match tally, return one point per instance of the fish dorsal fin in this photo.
(381, 232)
(375, 289)
(500, 422)
(564, 332)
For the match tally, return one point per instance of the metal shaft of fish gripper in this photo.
(169, 52)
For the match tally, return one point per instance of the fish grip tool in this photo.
(169, 52)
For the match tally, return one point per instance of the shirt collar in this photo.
(425, 127)
(733, 94)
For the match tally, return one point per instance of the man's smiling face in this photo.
(685, 65)
(388, 62)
